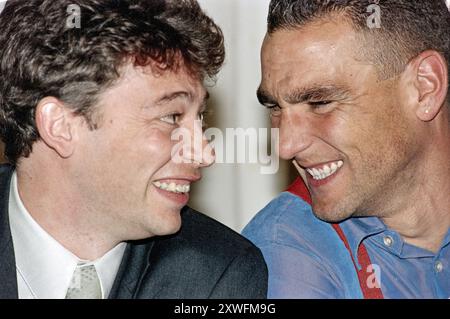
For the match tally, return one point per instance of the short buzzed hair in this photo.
(408, 27)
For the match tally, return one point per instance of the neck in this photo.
(422, 228)
(422, 215)
(56, 206)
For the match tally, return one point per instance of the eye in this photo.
(171, 119)
(203, 117)
(275, 110)
(320, 107)
(319, 104)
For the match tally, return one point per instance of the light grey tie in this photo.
(85, 283)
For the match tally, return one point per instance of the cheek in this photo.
(275, 121)
(334, 128)
(372, 139)
(358, 127)
(138, 151)
(157, 145)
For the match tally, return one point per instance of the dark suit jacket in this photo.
(205, 259)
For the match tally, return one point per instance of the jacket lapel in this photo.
(8, 279)
(133, 268)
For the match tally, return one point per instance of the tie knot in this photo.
(85, 283)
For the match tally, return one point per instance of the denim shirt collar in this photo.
(359, 229)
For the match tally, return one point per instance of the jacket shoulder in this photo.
(208, 234)
(205, 259)
(208, 240)
(5, 170)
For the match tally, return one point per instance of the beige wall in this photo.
(233, 193)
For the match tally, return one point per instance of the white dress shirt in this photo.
(44, 266)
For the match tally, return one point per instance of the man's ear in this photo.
(55, 123)
(431, 83)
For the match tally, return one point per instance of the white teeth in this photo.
(172, 187)
(325, 171)
(334, 167)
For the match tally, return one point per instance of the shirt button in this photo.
(438, 266)
(388, 241)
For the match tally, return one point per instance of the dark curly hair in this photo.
(408, 27)
(42, 55)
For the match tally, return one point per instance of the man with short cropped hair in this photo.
(93, 205)
(359, 92)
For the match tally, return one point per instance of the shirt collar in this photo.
(405, 250)
(108, 266)
(43, 263)
(358, 229)
(446, 241)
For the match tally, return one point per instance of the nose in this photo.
(295, 135)
(209, 155)
(198, 151)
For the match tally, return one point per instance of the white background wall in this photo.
(233, 193)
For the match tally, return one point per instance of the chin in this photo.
(168, 226)
(172, 229)
(330, 215)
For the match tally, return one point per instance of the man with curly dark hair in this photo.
(92, 201)
(359, 92)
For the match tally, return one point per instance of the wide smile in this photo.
(173, 187)
(324, 171)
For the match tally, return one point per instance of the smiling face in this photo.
(348, 131)
(124, 170)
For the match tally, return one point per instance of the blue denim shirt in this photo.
(305, 257)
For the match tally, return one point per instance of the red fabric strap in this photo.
(364, 262)
(298, 188)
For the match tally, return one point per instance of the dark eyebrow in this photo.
(318, 93)
(179, 94)
(264, 98)
(172, 96)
